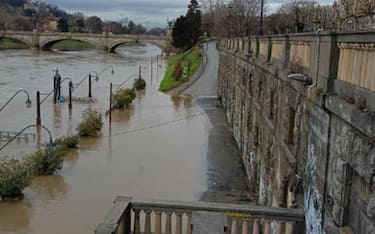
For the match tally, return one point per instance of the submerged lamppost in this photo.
(27, 102)
(96, 76)
(93, 74)
(56, 86)
(70, 90)
(50, 145)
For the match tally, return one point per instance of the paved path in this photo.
(206, 85)
(227, 181)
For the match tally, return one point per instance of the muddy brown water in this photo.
(155, 149)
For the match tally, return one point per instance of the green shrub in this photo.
(123, 98)
(139, 84)
(47, 161)
(69, 141)
(15, 175)
(91, 123)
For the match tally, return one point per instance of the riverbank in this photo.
(72, 45)
(180, 68)
(8, 44)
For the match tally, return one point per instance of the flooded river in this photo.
(155, 149)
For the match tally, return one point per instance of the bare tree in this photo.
(229, 19)
(353, 11)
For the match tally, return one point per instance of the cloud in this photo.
(154, 13)
(150, 13)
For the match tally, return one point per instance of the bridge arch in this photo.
(48, 45)
(161, 45)
(18, 39)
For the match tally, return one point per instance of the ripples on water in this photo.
(156, 149)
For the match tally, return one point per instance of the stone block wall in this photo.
(307, 140)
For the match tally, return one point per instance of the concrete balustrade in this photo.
(300, 53)
(162, 215)
(264, 47)
(278, 54)
(357, 64)
(348, 57)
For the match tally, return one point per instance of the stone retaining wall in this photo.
(306, 140)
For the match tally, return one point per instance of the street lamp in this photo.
(96, 75)
(91, 74)
(51, 144)
(27, 102)
(260, 30)
(107, 67)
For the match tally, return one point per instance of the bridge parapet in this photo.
(105, 42)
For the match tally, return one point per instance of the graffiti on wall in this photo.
(313, 201)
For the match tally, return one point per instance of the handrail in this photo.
(118, 219)
(274, 213)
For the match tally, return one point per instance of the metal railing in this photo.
(130, 215)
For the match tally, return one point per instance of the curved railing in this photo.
(27, 102)
(24, 129)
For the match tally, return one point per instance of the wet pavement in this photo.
(227, 180)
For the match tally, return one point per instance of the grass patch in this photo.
(8, 43)
(192, 57)
(72, 45)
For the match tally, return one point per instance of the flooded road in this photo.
(155, 149)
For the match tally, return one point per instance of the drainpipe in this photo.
(317, 60)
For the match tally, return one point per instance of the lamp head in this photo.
(28, 103)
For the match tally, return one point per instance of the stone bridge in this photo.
(105, 42)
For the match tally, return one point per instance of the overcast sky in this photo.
(149, 13)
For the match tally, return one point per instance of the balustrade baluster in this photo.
(137, 227)
(148, 222)
(189, 225)
(158, 222)
(289, 227)
(178, 222)
(267, 227)
(168, 223)
(245, 226)
(234, 226)
(256, 227)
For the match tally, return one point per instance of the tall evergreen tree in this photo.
(187, 29)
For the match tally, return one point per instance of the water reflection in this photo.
(71, 157)
(89, 143)
(123, 115)
(176, 99)
(188, 101)
(49, 187)
(15, 210)
(185, 99)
